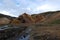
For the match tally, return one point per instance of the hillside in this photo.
(53, 17)
(42, 26)
(48, 29)
(43, 18)
(5, 19)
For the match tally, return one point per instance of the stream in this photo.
(26, 34)
(23, 36)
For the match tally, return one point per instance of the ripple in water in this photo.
(26, 35)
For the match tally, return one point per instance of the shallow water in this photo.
(24, 36)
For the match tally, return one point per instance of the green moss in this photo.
(55, 22)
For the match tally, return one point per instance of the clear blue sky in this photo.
(17, 7)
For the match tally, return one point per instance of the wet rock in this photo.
(11, 33)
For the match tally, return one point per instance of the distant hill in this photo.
(5, 19)
(7, 16)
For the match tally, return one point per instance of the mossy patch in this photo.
(55, 22)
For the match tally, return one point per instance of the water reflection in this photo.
(26, 35)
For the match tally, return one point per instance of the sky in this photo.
(18, 7)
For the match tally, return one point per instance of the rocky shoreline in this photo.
(10, 33)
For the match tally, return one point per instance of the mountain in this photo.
(46, 17)
(25, 18)
(42, 18)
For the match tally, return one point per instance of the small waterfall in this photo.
(26, 35)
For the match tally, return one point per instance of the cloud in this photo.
(7, 13)
(46, 7)
(17, 7)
